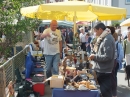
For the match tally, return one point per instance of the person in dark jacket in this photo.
(104, 53)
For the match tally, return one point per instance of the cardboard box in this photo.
(70, 69)
(57, 81)
(37, 53)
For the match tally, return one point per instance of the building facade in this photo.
(122, 4)
(103, 2)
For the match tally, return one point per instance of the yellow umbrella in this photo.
(32, 12)
(85, 10)
(125, 23)
(74, 10)
(65, 10)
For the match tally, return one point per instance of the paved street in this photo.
(123, 89)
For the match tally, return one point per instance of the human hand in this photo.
(91, 57)
(48, 35)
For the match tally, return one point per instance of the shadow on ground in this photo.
(48, 91)
(123, 91)
(121, 71)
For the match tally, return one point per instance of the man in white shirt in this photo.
(82, 37)
(52, 48)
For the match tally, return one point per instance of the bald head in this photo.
(53, 25)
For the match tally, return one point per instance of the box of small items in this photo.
(57, 81)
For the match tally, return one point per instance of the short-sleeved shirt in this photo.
(82, 37)
(51, 44)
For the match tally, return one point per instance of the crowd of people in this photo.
(107, 47)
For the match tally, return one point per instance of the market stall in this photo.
(87, 93)
(76, 77)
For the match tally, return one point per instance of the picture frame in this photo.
(127, 2)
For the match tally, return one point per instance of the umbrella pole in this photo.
(75, 23)
(75, 30)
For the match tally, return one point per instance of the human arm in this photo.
(120, 53)
(87, 44)
(60, 46)
(107, 52)
(45, 34)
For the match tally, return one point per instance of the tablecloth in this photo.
(57, 92)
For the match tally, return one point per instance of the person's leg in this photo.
(89, 50)
(127, 59)
(104, 80)
(48, 67)
(116, 70)
(128, 62)
(113, 82)
(56, 61)
(114, 79)
(84, 46)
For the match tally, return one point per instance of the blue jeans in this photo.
(52, 64)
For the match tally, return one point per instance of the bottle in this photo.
(73, 64)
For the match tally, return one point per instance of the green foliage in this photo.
(115, 23)
(13, 24)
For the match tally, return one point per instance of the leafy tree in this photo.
(13, 24)
(115, 23)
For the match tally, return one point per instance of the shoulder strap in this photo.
(125, 46)
(117, 49)
(117, 46)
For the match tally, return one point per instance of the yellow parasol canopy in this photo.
(74, 11)
(125, 23)
(66, 11)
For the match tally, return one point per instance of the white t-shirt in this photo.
(82, 37)
(51, 44)
(124, 33)
(3, 36)
(42, 44)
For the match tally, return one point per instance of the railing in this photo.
(8, 68)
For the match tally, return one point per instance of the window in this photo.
(106, 2)
(127, 1)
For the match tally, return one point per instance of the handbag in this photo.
(38, 78)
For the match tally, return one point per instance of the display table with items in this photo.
(76, 77)
(82, 85)
(57, 92)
